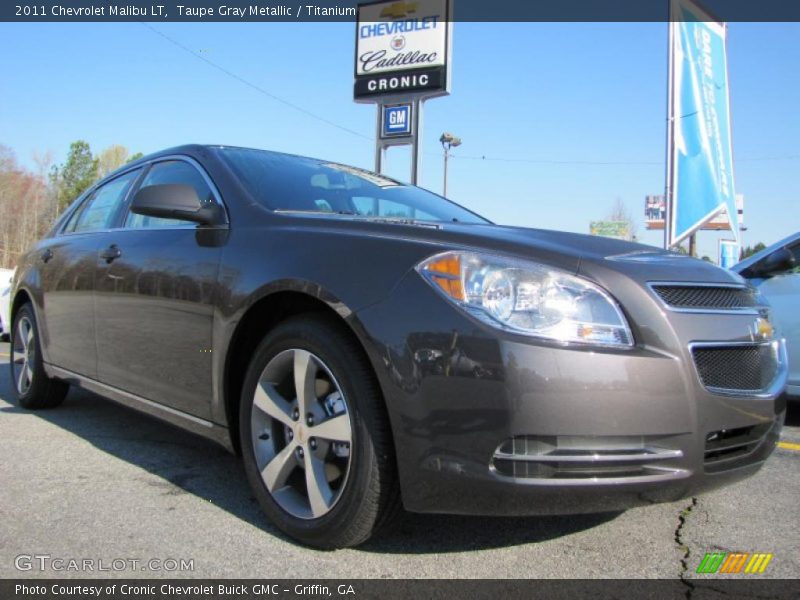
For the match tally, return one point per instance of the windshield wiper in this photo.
(316, 212)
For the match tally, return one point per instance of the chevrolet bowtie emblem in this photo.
(398, 10)
(761, 330)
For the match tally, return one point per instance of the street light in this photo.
(448, 141)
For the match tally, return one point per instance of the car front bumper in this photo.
(501, 425)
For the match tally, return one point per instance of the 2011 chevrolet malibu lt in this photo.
(367, 345)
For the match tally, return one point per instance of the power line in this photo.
(547, 161)
(254, 86)
(307, 112)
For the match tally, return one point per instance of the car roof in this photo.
(194, 149)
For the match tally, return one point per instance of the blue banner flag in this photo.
(700, 180)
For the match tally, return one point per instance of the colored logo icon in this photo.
(734, 562)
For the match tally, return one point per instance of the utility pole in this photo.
(448, 141)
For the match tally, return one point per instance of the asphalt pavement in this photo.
(92, 480)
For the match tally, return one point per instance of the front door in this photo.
(156, 290)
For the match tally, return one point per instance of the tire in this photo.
(356, 490)
(33, 388)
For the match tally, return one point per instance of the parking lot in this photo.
(94, 480)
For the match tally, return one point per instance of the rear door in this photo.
(155, 300)
(67, 268)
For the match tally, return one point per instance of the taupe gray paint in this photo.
(160, 328)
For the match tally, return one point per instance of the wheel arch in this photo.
(260, 318)
(21, 297)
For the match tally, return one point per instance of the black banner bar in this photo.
(345, 10)
(401, 589)
(400, 82)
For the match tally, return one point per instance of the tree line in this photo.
(32, 199)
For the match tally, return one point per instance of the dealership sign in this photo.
(402, 48)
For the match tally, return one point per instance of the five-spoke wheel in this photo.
(22, 355)
(301, 433)
(33, 388)
(314, 434)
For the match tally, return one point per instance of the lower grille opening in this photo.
(581, 458)
(746, 368)
(730, 444)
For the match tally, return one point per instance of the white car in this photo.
(6, 275)
(775, 271)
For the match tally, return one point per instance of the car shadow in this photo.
(189, 464)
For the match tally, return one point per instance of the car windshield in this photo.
(292, 183)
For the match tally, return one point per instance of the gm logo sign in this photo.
(396, 120)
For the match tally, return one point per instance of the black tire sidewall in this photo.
(38, 386)
(323, 340)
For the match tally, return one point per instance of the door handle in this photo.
(111, 253)
(47, 255)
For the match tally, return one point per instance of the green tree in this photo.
(136, 156)
(749, 251)
(76, 174)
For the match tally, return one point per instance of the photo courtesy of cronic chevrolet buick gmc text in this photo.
(368, 345)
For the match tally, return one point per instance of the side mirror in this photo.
(779, 261)
(176, 201)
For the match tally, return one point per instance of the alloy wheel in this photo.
(23, 353)
(302, 434)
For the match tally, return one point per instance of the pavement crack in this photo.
(683, 547)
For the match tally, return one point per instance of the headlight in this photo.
(528, 298)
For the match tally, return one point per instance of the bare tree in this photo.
(619, 212)
(24, 213)
(110, 159)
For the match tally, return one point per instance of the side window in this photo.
(171, 171)
(73, 218)
(101, 207)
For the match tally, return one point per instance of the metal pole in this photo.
(378, 142)
(444, 192)
(668, 191)
(416, 147)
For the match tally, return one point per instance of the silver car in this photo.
(775, 271)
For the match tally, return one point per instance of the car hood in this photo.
(574, 252)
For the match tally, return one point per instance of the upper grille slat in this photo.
(706, 297)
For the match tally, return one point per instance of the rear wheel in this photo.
(315, 439)
(33, 388)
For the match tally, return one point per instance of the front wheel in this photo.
(314, 434)
(33, 388)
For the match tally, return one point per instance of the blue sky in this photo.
(569, 93)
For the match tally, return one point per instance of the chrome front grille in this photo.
(744, 368)
(561, 460)
(693, 297)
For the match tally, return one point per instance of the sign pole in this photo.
(416, 147)
(670, 130)
(378, 143)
